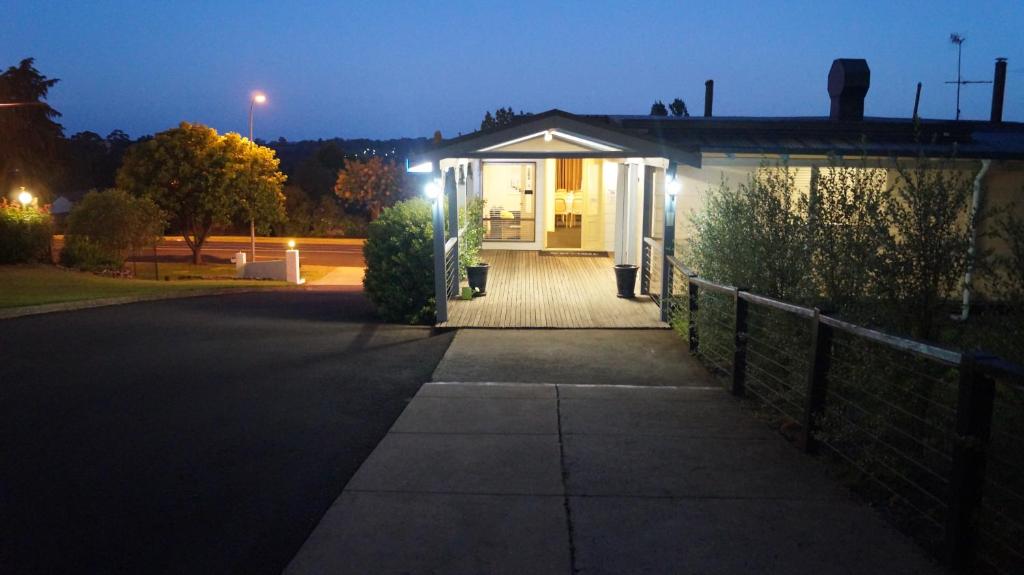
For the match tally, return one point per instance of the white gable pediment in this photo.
(551, 141)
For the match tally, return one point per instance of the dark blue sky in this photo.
(388, 69)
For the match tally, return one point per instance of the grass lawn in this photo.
(26, 285)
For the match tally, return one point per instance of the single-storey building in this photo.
(558, 182)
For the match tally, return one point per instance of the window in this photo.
(510, 201)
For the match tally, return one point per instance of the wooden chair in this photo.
(560, 210)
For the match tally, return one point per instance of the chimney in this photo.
(709, 96)
(848, 83)
(998, 89)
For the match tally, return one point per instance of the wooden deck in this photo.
(526, 289)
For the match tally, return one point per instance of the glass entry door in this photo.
(510, 201)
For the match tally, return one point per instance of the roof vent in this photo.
(848, 83)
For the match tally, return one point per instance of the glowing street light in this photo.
(291, 244)
(24, 197)
(257, 98)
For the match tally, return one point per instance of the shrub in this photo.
(755, 236)
(400, 263)
(105, 226)
(82, 253)
(472, 239)
(25, 233)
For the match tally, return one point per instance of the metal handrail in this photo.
(928, 351)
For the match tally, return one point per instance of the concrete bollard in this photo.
(291, 259)
(240, 258)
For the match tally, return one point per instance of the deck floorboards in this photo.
(529, 290)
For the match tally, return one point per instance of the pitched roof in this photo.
(674, 137)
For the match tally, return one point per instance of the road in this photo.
(313, 251)
(204, 435)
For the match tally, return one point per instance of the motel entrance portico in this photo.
(565, 199)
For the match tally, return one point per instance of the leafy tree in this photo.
(200, 179)
(755, 236)
(373, 183)
(677, 107)
(114, 223)
(848, 227)
(927, 252)
(658, 108)
(30, 137)
(317, 174)
(253, 174)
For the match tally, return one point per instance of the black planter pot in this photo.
(477, 276)
(625, 280)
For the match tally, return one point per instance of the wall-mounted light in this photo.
(548, 135)
(432, 190)
(421, 168)
(673, 186)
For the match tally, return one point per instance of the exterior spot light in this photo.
(291, 244)
(422, 168)
(432, 190)
(548, 136)
(24, 197)
(673, 187)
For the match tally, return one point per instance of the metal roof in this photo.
(876, 137)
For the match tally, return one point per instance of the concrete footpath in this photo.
(592, 477)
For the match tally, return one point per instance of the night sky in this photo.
(391, 69)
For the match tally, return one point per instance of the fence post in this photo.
(819, 360)
(645, 270)
(691, 289)
(967, 477)
(440, 285)
(668, 249)
(739, 351)
(451, 192)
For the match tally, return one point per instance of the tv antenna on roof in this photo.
(959, 40)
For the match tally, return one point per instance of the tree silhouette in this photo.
(658, 108)
(678, 108)
(30, 137)
(501, 117)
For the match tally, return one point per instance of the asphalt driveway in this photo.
(205, 435)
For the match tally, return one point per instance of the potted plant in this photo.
(625, 280)
(474, 269)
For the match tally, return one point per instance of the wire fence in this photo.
(932, 437)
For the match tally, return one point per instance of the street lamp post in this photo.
(257, 98)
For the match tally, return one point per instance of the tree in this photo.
(252, 172)
(374, 183)
(501, 117)
(112, 223)
(199, 180)
(678, 109)
(927, 252)
(30, 137)
(848, 227)
(658, 108)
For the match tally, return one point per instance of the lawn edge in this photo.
(15, 312)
